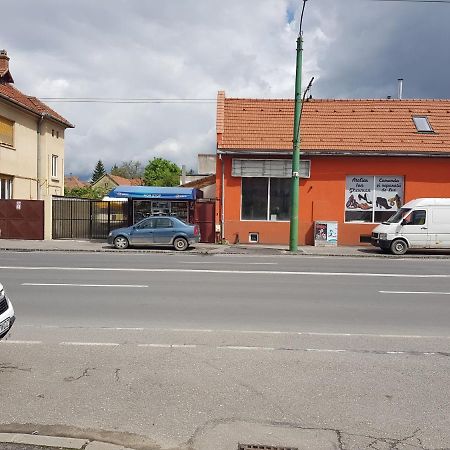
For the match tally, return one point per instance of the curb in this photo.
(58, 442)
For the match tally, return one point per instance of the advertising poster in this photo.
(358, 193)
(389, 193)
(321, 232)
(373, 199)
(332, 233)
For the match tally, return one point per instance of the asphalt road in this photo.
(192, 351)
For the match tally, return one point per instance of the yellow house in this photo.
(31, 146)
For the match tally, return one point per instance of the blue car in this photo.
(156, 230)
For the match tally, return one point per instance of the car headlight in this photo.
(383, 236)
(110, 234)
(2, 293)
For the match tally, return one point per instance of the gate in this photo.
(205, 219)
(80, 218)
(22, 219)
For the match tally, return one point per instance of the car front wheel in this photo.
(121, 242)
(399, 247)
(180, 244)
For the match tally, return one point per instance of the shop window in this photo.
(265, 199)
(372, 199)
(6, 188)
(6, 132)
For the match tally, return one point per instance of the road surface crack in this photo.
(11, 368)
(84, 374)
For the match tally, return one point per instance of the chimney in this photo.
(400, 88)
(5, 76)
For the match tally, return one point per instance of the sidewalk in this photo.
(72, 245)
(15, 441)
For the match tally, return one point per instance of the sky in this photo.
(191, 49)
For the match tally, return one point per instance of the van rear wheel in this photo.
(399, 247)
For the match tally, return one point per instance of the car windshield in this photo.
(398, 216)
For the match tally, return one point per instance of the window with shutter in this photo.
(6, 131)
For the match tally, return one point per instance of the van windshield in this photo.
(398, 216)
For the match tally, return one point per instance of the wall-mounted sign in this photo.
(370, 198)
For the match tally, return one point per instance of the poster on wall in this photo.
(370, 198)
(389, 193)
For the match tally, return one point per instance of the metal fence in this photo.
(79, 218)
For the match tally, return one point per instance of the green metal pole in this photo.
(295, 180)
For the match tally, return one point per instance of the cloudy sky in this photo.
(190, 49)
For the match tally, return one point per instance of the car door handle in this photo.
(424, 228)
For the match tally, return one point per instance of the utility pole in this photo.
(295, 180)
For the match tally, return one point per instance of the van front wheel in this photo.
(399, 247)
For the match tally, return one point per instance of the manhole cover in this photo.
(263, 447)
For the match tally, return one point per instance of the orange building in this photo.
(360, 161)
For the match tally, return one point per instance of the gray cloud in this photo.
(193, 48)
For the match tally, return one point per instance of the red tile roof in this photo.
(72, 182)
(354, 126)
(10, 93)
(122, 181)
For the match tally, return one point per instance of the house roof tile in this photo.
(333, 125)
(9, 92)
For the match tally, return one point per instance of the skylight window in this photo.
(422, 124)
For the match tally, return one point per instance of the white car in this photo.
(7, 317)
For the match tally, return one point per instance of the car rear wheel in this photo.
(180, 244)
(399, 247)
(121, 242)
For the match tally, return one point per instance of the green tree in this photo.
(85, 192)
(161, 172)
(99, 171)
(128, 169)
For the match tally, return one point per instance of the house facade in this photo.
(31, 145)
(360, 161)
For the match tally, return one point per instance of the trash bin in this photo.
(325, 233)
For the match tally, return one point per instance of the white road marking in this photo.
(230, 262)
(239, 347)
(266, 332)
(234, 272)
(9, 341)
(87, 285)
(168, 345)
(415, 292)
(93, 344)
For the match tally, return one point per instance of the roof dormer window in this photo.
(422, 124)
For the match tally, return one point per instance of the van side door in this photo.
(439, 227)
(414, 227)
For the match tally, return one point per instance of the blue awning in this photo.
(149, 192)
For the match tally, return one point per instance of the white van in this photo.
(420, 223)
(7, 317)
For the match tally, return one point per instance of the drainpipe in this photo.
(222, 201)
(39, 176)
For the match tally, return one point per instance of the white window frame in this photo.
(55, 166)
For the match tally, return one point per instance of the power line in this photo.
(127, 100)
(413, 1)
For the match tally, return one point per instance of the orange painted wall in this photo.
(322, 197)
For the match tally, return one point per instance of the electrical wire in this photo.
(127, 100)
